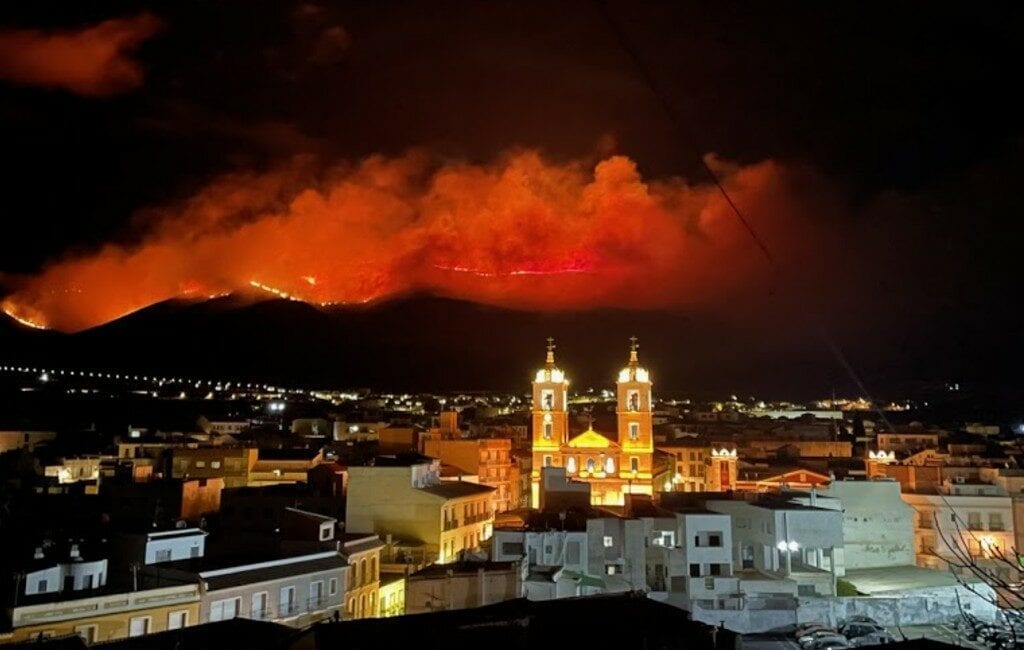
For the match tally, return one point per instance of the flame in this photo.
(27, 322)
(521, 232)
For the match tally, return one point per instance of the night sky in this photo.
(514, 155)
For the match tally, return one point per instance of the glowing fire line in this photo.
(24, 321)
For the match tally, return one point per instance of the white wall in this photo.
(878, 525)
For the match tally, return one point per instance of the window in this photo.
(316, 594)
(194, 551)
(709, 583)
(222, 610)
(634, 464)
(714, 539)
(747, 557)
(286, 602)
(694, 570)
(549, 430)
(715, 569)
(163, 555)
(547, 400)
(547, 460)
(608, 541)
(974, 520)
(570, 465)
(995, 521)
(362, 572)
(634, 430)
(512, 548)
(373, 569)
(666, 538)
(177, 620)
(611, 569)
(41, 586)
(325, 533)
(87, 633)
(332, 587)
(215, 464)
(633, 401)
(609, 466)
(138, 626)
(200, 463)
(259, 605)
(591, 465)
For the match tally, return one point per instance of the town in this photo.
(311, 509)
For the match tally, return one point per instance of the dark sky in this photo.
(905, 116)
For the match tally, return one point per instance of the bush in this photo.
(846, 588)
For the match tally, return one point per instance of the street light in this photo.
(788, 548)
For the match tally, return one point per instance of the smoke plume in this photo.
(94, 61)
(521, 232)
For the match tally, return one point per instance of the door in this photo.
(259, 605)
(287, 602)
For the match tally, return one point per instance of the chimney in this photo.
(74, 554)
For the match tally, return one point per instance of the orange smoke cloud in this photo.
(521, 232)
(93, 61)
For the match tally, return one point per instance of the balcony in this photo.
(477, 518)
(315, 603)
(450, 524)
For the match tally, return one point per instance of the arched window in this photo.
(357, 577)
(591, 465)
(362, 605)
(373, 569)
(634, 401)
(609, 466)
(362, 571)
(570, 465)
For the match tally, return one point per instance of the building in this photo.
(276, 466)
(297, 590)
(878, 525)
(403, 496)
(362, 591)
(574, 553)
(150, 547)
(699, 466)
(392, 594)
(613, 467)
(963, 519)
(27, 440)
(773, 535)
(162, 502)
(489, 459)
(233, 464)
(103, 615)
(462, 584)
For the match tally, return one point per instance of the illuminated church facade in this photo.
(613, 465)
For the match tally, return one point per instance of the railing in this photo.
(316, 602)
(289, 609)
(472, 519)
(996, 528)
(450, 524)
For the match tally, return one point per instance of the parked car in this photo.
(806, 628)
(875, 638)
(851, 630)
(830, 642)
(808, 640)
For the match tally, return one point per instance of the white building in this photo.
(73, 574)
(976, 518)
(775, 536)
(575, 554)
(878, 525)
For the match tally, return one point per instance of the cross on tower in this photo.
(550, 360)
(633, 345)
(551, 344)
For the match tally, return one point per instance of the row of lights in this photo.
(46, 374)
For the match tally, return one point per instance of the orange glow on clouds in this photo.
(521, 232)
(93, 61)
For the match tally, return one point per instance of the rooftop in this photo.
(462, 568)
(456, 489)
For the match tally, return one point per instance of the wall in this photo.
(306, 613)
(482, 587)
(878, 525)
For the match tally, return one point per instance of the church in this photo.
(614, 464)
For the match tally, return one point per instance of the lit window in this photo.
(200, 463)
(609, 466)
(634, 464)
(547, 460)
(591, 465)
(548, 430)
(608, 541)
(570, 465)
(634, 430)
(215, 464)
(547, 400)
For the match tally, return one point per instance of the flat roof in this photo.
(456, 489)
(901, 578)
